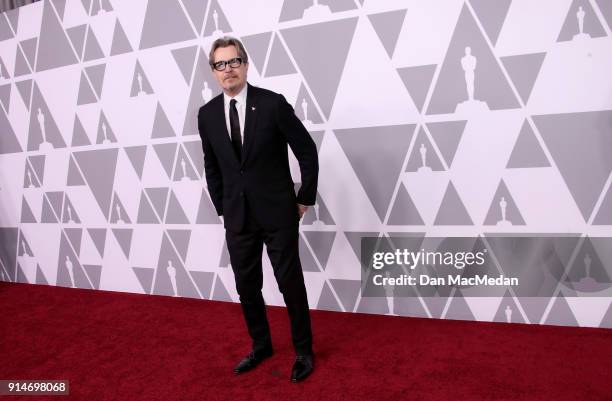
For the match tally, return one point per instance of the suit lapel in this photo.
(250, 117)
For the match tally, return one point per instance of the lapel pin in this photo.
(253, 108)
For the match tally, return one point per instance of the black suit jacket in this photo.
(262, 178)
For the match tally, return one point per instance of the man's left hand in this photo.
(302, 209)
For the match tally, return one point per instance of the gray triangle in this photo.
(604, 215)
(447, 135)
(75, 178)
(423, 148)
(572, 140)
(118, 211)
(86, 92)
(13, 18)
(321, 243)
(458, 309)
(176, 214)
(607, 319)
(605, 6)
(4, 71)
(124, 238)
(5, 96)
(417, 81)
(279, 62)
(37, 168)
(224, 259)
(8, 251)
(101, 4)
(185, 58)
(508, 311)
(103, 123)
(91, 163)
(328, 41)
(187, 172)
(166, 152)
(377, 154)
(309, 264)
(512, 213)
(324, 215)
(206, 211)
(66, 254)
(25, 90)
(560, 314)
(492, 15)
(180, 239)
(21, 277)
(77, 37)
(55, 202)
(72, 215)
(158, 198)
(60, 7)
(294, 9)
(5, 30)
(354, 240)
(347, 291)
(257, 48)
(527, 152)
(8, 140)
(196, 10)
(21, 65)
(54, 49)
(121, 43)
(26, 212)
(96, 76)
(376, 305)
(98, 237)
(146, 85)
(523, 70)
(145, 277)
(94, 272)
(204, 281)
(93, 51)
(194, 150)
(220, 293)
(169, 14)
(202, 77)
(169, 264)
(327, 300)
(591, 268)
(304, 104)
(404, 211)
(73, 236)
(491, 89)
(146, 214)
(40, 276)
(79, 136)
(388, 26)
(136, 155)
(29, 49)
(87, 6)
(592, 25)
(452, 210)
(223, 24)
(161, 125)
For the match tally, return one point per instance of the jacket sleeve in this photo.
(214, 179)
(304, 149)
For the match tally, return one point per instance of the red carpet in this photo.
(121, 346)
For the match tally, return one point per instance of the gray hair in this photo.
(226, 41)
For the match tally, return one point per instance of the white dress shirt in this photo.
(240, 107)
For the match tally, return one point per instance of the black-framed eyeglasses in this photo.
(234, 63)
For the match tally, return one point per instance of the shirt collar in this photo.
(240, 97)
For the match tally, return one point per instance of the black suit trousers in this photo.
(245, 249)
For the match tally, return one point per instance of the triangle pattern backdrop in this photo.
(492, 120)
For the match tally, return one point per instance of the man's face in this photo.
(232, 80)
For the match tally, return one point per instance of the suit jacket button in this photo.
(241, 193)
(241, 172)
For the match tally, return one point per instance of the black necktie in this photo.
(235, 129)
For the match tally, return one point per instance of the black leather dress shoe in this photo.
(251, 360)
(302, 367)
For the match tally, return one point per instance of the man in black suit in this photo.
(245, 131)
